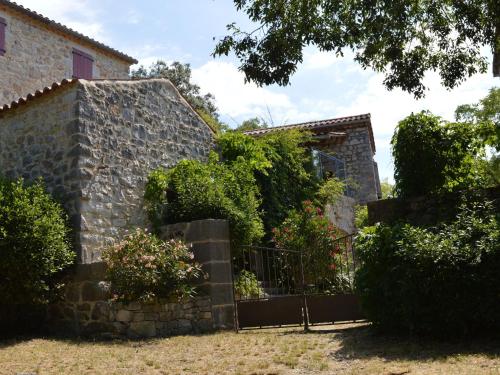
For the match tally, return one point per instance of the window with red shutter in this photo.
(3, 26)
(82, 65)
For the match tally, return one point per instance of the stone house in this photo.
(94, 143)
(70, 114)
(36, 51)
(343, 147)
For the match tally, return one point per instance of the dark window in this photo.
(3, 26)
(82, 65)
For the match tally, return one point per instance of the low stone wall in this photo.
(423, 211)
(87, 310)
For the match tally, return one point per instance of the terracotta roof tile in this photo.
(312, 124)
(57, 26)
(318, 125)
(48, 89)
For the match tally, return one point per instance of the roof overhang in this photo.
(57, 27)
(324, 130)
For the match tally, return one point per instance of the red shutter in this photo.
(82, 65)
(3, 26)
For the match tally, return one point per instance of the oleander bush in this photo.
(34, 244)
(310, 232)
(440, 281)
(144, 268)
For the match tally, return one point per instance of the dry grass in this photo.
(340, 349)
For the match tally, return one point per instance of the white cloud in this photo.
(78, 15)
(234, 97)
(319, 59)
(389, 107)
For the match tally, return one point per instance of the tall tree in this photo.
(486, 113)
(180, 75)
(251, 124)
(401, 38)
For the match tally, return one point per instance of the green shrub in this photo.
(246, 286)
(360, 216)
(34, 244)
(433, 156)
(311, 233)
(282, 167)
(439, 281)
(145, 268)
(194, 191)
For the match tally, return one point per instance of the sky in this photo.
(323, 87)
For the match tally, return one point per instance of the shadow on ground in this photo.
(363, 342)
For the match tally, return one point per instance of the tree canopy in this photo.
(402, 39)
(487, 113)
(251, 124)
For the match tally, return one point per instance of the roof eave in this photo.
(66, 30)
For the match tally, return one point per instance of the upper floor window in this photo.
(3, 26)
(82, 65)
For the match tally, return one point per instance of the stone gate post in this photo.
(210, 242)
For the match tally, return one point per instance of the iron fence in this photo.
(264, 272)
(275, 287)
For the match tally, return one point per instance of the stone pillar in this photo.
(211, 247)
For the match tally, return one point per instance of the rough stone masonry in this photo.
(94, 144)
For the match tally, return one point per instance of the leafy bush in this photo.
(440, 281)
(311, 233)
(433, 156)
(246, 285)
(193, 191)
(282, 168)
(360, 216)
(144, 268)
(34, 244)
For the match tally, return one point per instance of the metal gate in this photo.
(278, 287)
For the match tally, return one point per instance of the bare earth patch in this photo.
(339, 349)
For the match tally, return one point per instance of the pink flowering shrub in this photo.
(145, 268)
(310, 232)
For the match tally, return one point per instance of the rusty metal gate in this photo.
(279, 287)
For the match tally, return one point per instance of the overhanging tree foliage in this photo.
(402, 38)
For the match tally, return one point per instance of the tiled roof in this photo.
(57, 26)
(312, 125)
(316, 126)
(55, 86)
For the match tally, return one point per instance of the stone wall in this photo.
(211, 247)
(37, 141)
(37, 56)
(357, 153)
(125, 130)
(95, 143)
(88, 311)
(342, 214)
(427, 210)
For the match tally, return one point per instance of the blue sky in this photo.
(323, 87)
